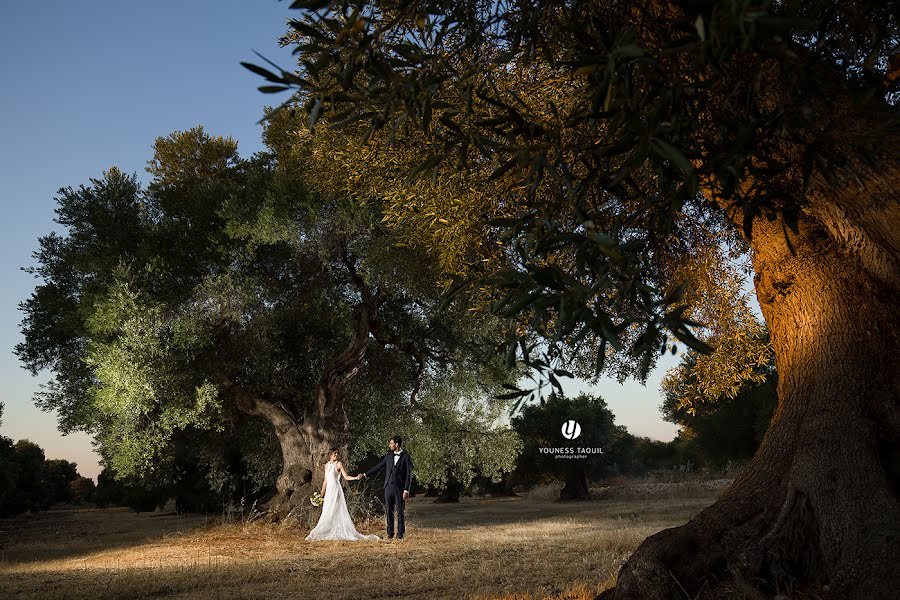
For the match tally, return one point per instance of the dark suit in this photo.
(397, 478)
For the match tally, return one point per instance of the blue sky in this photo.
(89, 85)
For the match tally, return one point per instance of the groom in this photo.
(397, 483)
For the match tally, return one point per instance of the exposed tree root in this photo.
(759, 549)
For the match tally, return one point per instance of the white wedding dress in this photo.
(335, 522)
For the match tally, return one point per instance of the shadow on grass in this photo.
(61, 533)
(476, 512)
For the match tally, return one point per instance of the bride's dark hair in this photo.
(334, 451)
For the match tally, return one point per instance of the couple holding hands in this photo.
(335, 522)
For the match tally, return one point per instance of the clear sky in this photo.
(88, 85)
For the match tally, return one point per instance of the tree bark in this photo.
(817, 510)
(300, 466)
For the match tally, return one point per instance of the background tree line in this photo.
(31, 482)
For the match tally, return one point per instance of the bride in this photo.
(335, 522)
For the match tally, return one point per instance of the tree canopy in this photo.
(573, 168)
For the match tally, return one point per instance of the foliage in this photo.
(60, 473)
(449, 427)
(126, 491)
(723, 428)
(645, 455)
(743, 352)
(9, 477)
(29, 482)
(192, 157)
(448, 211)
(460, 442)
(82, 490)
(108, 492)
(209, 472)
(595, 141)
(242, 464)
(32, 489)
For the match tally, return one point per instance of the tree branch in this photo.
(252, 404)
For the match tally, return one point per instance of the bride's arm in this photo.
(340, 467)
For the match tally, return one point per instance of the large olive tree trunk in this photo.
(818, 507)
(307, 431)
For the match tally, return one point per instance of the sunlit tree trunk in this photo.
(818, 507)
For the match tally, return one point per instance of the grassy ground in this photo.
(511, 548)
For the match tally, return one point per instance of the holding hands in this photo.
(347, 475)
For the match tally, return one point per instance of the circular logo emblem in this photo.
(571, 429)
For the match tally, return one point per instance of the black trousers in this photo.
(393, 498)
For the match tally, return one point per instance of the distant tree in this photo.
(136, 494)
(9, 477)
(656, 455)
(82, 490)
(540, 426)
(108, 492)
(60, 473)
(636, 455)
(32, 489)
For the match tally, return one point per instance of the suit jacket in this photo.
(400, 475)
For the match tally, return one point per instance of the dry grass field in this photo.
(520, 548)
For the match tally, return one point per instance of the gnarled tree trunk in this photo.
(818, 507)
(304, 448)
(321, 424)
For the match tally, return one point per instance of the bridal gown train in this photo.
(335, 522)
